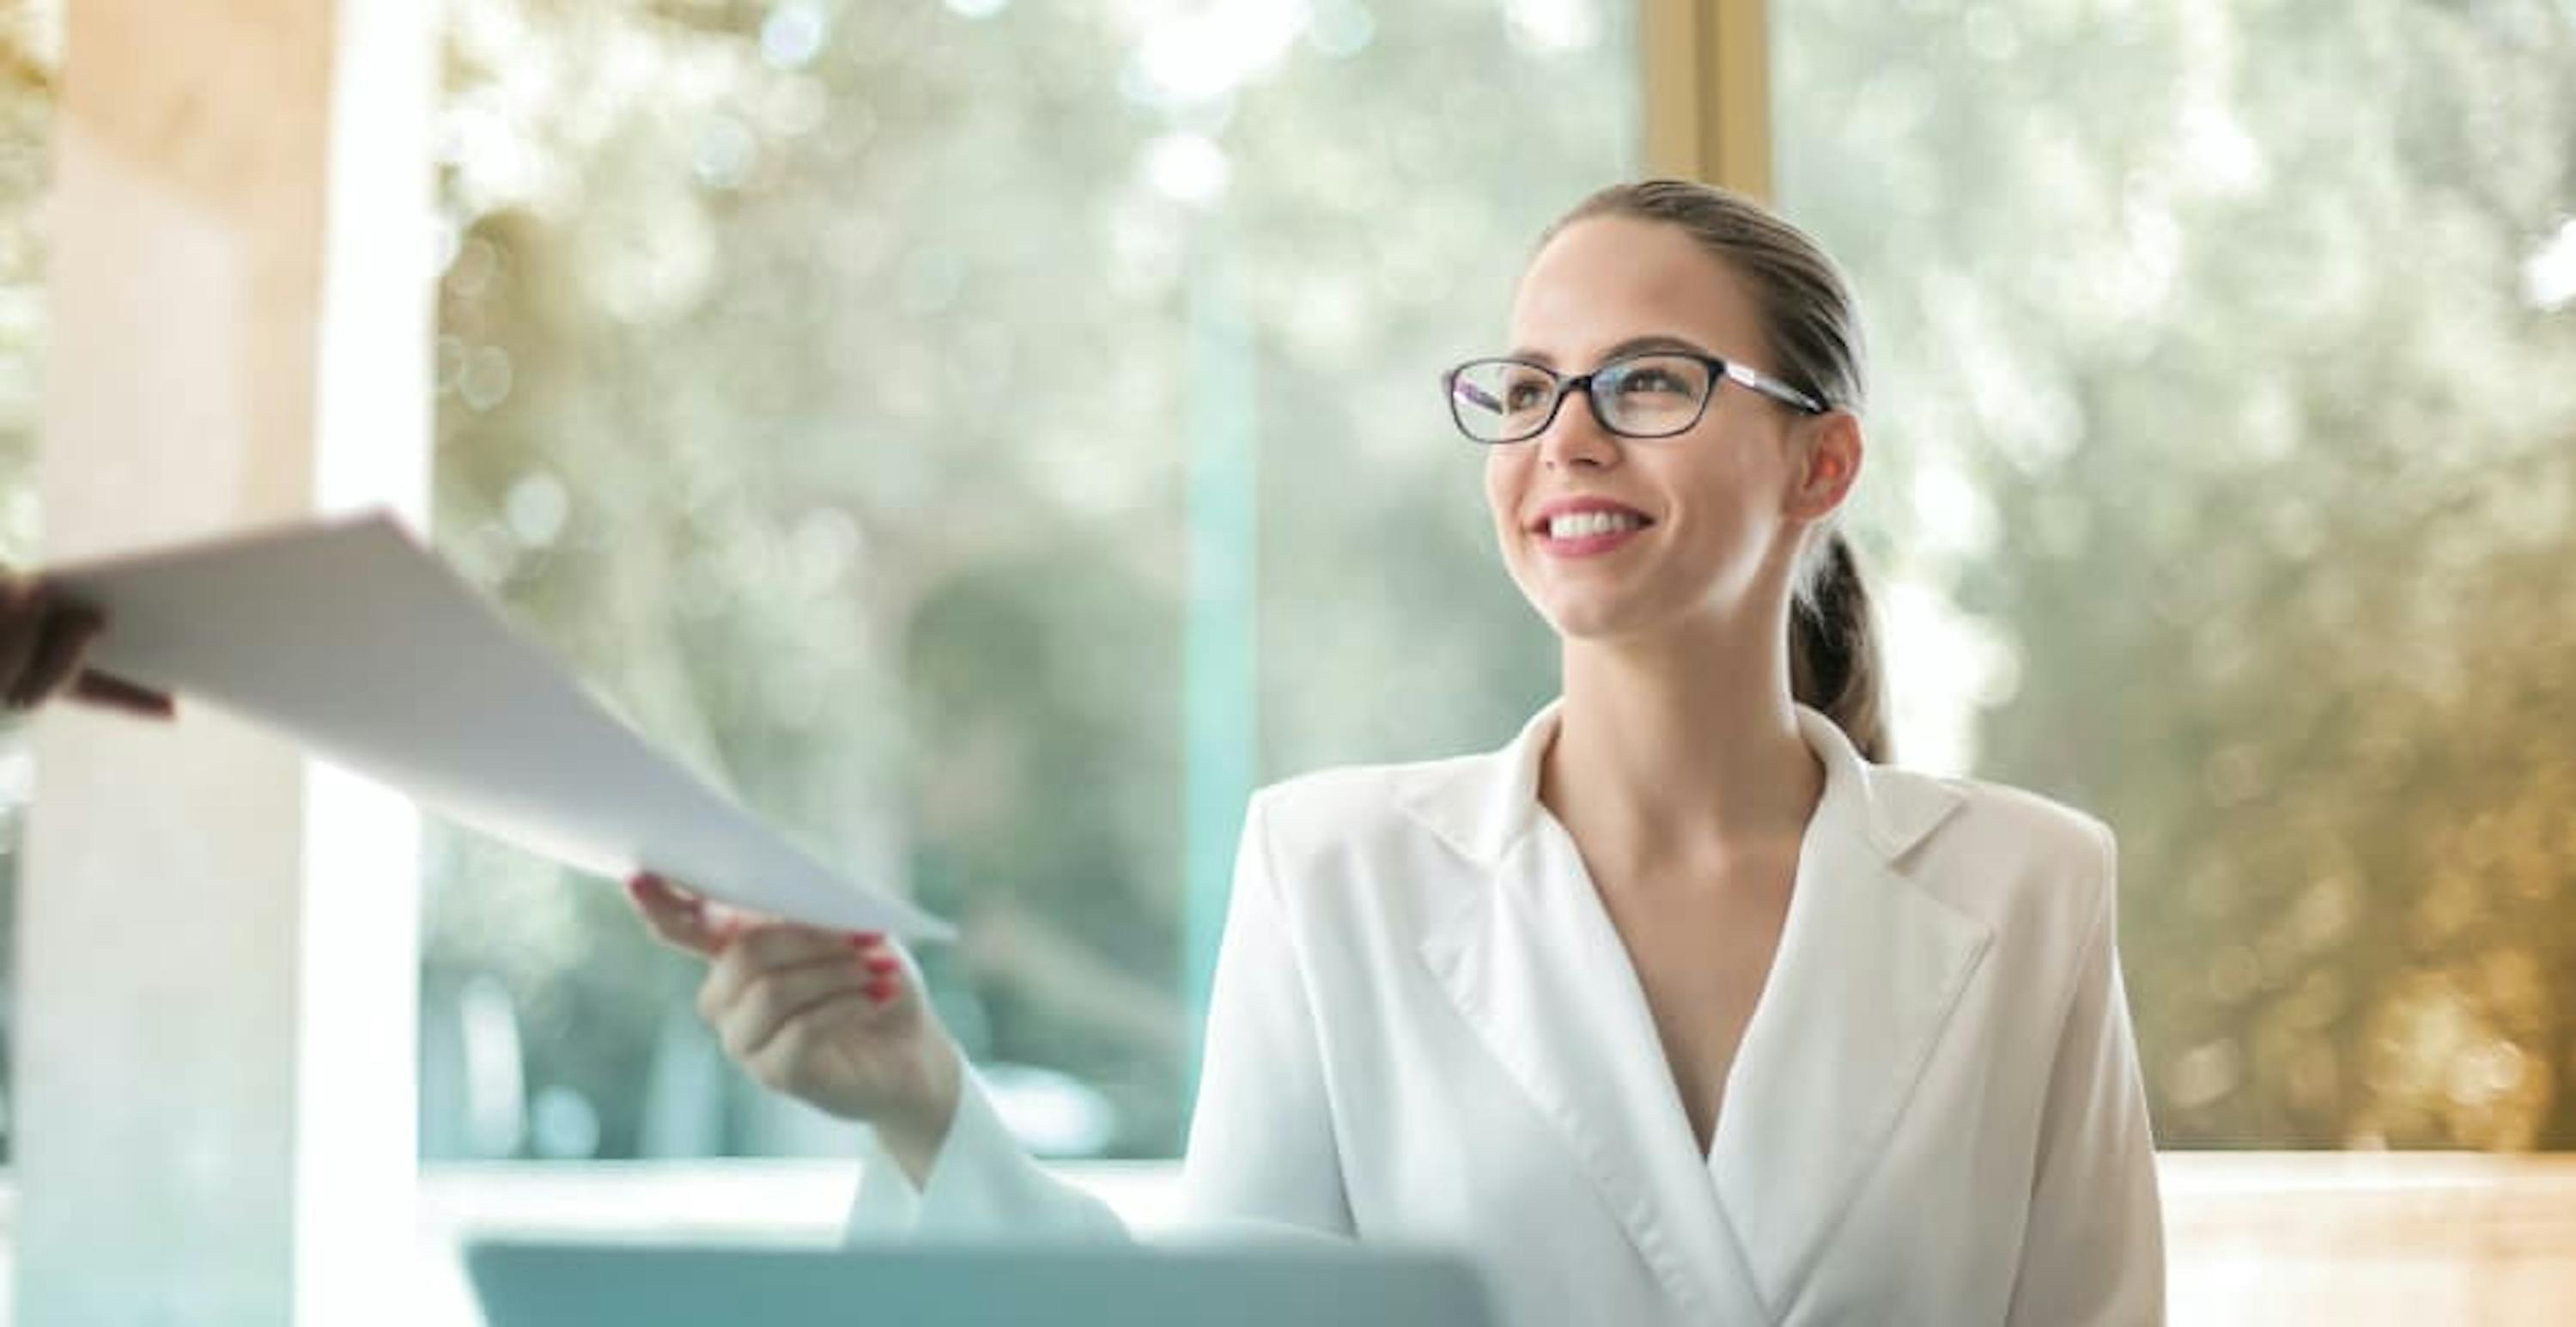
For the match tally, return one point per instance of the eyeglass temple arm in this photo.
(1774, 388)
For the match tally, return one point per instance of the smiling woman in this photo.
(1677, 1008)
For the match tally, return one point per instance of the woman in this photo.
(1678, 1008)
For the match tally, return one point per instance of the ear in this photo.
(1828, 448)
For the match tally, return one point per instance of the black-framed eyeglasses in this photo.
(1652, 395)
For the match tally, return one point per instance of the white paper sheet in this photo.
(357, 643)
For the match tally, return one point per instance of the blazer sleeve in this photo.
(2093, 1250)
(1261, 1161)
(1262, 1154)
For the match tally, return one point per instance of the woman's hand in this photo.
(42, 642)
(824, 1016)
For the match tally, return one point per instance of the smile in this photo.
(1584, 524)
(1588, 534)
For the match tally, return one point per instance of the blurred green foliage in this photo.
(2227, 362)
(30, 55)
(821, 379)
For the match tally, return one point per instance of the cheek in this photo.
(1507, 479)
(1735, 516)
(1506, 476)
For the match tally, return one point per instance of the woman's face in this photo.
(1719, 509)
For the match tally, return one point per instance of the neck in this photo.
(1681, 748)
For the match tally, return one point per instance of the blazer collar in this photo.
(1482, 806)
(1866, 973)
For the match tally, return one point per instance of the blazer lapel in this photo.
(1534, 965)
(1867, 973)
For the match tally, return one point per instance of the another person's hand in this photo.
(824, 1016)
(43, 641)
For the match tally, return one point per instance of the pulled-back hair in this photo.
(1812, 333)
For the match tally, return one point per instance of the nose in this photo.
(1575, 437)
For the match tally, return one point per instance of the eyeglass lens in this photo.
(1646, 396)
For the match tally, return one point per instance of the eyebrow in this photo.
(1635, 345)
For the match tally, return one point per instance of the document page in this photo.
(358, 644)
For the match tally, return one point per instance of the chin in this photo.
(1590, 617)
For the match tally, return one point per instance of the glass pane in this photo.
(2225, 469)
(923, 417)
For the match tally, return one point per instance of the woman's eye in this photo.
(1524, 396)
(1649, 382)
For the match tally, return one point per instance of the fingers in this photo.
(22, 629)
(776, 991)
(803, 1011)
(759, 951)
(775, 999)
(42, 644)
(792, 1060)
(60, 637)
(108, 691)
(778, 987)
(680, 919)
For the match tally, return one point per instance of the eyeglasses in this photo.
(1653, 395)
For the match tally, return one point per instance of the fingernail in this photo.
(882, 962)
(881, 990)
(863, 939)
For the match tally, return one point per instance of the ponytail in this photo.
(1833, 650)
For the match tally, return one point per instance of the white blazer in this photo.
(1424, 1028)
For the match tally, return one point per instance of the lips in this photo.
(1577, 528)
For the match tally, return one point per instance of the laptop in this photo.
(525, 1283)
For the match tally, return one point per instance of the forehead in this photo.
(1605, 280)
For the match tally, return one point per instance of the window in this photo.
(2225, 477)
(922, 417)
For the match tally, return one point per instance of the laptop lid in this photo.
(527, 1283)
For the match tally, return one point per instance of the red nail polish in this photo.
(881, 990)
(881, 962)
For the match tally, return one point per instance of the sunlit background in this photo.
(992, 438)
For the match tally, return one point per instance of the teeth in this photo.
(1581, 525)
